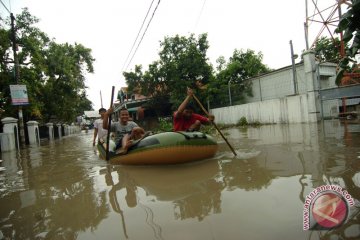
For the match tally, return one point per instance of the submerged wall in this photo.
(292, 109)
(275, 99)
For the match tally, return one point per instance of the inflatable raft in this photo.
(166, 148)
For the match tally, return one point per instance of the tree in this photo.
(53, 73)
(2, 103)
(65, 86)
(327, 50)
(183, 63)
(349, 26)
(241, 66)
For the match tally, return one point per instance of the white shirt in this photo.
(98, 124)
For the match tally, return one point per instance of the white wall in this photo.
(273, 98)
(292, 109)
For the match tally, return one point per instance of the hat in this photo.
(102, 110)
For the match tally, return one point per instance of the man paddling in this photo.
(185, 119)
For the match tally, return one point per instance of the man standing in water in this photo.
(125, 131)
(99, 131)
(185, 119)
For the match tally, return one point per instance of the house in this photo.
(134, 102)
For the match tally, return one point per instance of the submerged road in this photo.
(63, 190)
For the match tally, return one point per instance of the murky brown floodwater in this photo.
(62, 190)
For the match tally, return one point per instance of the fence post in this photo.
(11, 129)
(50, 130)
(33, 131)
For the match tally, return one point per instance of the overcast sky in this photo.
(109, 28)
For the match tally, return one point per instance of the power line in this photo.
(199, 16)
(132, 47)
(5, 6)
(143, 34)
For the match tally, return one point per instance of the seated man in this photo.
(125, 131)
(185, 119)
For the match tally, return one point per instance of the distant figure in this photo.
(99, 131)
(79, 120)
(140, 113)
(125, 131)
(185, 119)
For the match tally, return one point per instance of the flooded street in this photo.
(63, 190)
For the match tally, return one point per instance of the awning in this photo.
(91, 114)
(132, 105)
(134, 109)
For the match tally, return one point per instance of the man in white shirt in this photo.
(99, 131)
(126, 131)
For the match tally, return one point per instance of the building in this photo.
(304, 93)
(134, 102)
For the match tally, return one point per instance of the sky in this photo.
(110, 27)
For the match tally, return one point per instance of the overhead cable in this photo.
(199, 16)
(143, 34)
(132, 47)
(5, 6)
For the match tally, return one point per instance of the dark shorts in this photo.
(119, 143)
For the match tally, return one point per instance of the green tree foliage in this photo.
(5, 71)
(2, 103)
(65, 80)
(183, 63)
(241, 65)
(349, 26)
(327, 50)
(53, 73)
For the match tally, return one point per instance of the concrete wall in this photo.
(331, 108)
(280, 83)
(275, 100)
(292, 109)
(273, 85)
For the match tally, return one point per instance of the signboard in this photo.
(19, 95)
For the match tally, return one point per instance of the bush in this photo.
(164, 125)
(256, 124)
(243, 122)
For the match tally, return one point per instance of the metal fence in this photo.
(228, 95)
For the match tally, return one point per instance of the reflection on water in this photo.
(62, 190)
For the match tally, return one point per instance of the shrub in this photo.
(243, 121)
(164, 125)
(256, 124)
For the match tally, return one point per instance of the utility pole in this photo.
(229, 89)
(306, 26)
(293, 67)
(17, 78)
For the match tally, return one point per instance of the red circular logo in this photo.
(329, 210)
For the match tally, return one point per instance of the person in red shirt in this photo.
(185, 119)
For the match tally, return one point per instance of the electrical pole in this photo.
(17, 78)
(306, 26)
(293, 67)
(229, 89)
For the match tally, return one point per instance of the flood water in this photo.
(63, 190)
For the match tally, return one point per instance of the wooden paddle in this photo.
(206, 112)
(109, 125)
